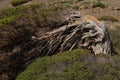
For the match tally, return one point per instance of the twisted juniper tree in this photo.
(77, 32)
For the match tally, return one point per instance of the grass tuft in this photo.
(99, 3)
(93, 4)
(19, 2)
(115, 36)
(8, 19)
(108, 18)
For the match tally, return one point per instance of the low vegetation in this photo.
(19, 23)
(99, 3)
(115, 36)
(86, 4)
(26, 20)
(94, 4)
(8, 20)
(108, 18)
(19, 2)
(9, 15)
(73, 65)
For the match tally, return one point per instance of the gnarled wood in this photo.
(76, 32)
(79, 32)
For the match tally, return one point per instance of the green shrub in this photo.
(86, 4)
(19, 2)
(39, 13)
(108, 18)
(37, 70)
(115, 36)
(16, 10)
(8, 15)
(94, 4)
(79, 0)
(98, 3)
(73, 65)
(76, 7)
(8, 20)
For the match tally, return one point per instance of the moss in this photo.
(108, 18)
(19, 2)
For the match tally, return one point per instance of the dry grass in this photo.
(5, 4)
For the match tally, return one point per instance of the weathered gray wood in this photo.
(79, 32)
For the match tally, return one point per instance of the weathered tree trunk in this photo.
(76, 32)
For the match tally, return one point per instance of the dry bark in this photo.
(75, 32)
(78, 32)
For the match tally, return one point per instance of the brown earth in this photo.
(5, 4)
